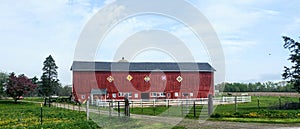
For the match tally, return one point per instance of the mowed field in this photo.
(260, 110)
(263, 109)
(276, 94)
(28, 115)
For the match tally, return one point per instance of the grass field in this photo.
(27, 115)
(23, 114)
(246, 112)
(107, 122)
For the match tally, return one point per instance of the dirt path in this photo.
(189, 123)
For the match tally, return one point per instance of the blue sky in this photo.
(250, 32)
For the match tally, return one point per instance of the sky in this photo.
(249, 31)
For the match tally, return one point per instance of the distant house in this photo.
(142, 80)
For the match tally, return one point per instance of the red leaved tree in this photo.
(18, 86)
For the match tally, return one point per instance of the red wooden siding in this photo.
(83, 82)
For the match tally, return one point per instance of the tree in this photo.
(3, 79)
(292, 74)
(18, 86)
(49, 80)
(64, 91)
(35, 92)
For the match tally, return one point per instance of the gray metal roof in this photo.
(142, 66)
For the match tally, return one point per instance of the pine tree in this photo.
(3, 79)
(49, 80)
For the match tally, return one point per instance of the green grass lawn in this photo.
(246, 112)
(107, 122)
(27, 115)
(23, 114)
(35, 99)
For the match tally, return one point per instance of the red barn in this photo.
(142, 80)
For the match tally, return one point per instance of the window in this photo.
(185, 94)
(114, 95)
(82, 96)
(176, 94)
(129, 94)
(153, 94)
(136, 95)
(191, 94)
(158, 94)
(121, 94)
(162, 94)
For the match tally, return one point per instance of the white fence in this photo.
(232, 99)
(174, 102)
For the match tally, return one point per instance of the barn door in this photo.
(145, 95)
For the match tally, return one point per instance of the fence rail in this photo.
(174, 102)
(185, 107)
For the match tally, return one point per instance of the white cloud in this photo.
(106, 2)
(232, 18)
(232, 47)
(33, 29)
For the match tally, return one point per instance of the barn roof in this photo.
(141, 66)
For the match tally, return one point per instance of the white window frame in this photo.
(129, 94)
(136, 95)
(153, 94)
(162, 94)
(176, 94)
(191, 94)
(114, 95)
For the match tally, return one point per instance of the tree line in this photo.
(16, 86)
(256, 87)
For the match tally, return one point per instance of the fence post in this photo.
(142, 107)
(210, 104)
(119, 108)
(168, 106)
(279, 102)
(194, 109)
(154, 106)
(235, 103)
(166, 102)
(258, 102)
(87, 108)
(181, 108)
(99, 110)
(109, 108)
(131, 105)
(299, 103)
